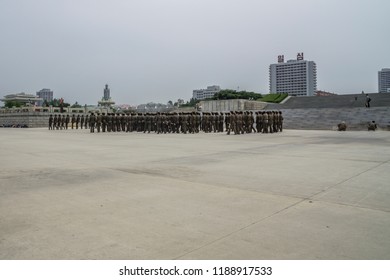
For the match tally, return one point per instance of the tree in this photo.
(232, 94)
(76, 105)
(170, 103)
(191, 103)
(10, 104)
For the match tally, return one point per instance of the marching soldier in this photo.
(104, 122)
(77, 121)
(62, 118)
(82, 121)
(67, 121)
(265, 122)
(92, 119)
(98, 122)
(86, 121)
(51, 122)
(73, 120)
(55, 121)
(227, 123)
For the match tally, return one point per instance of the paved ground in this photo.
(294, 195)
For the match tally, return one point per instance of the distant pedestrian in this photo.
(372, 126)
(342, 126)
(368, 100)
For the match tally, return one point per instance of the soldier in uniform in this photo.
(220, 122)
(73, 120)
(175, 120)
(191, 123)
(77, 121)
(274, 121)
(123, 122)
(280, 121)
(55, 121)
(148, 123)
(86, 121)
(198, 121)
(251, 121)
(259, 121)
(227, 123)
(113, 122)
(51, 122)
(245, 121)
(109, 122)
(158, 123)
(82, 121)
(98, 122)
(104, 122)
(118, 122)
(59, 121)
(265, 122)
(270, 122)
(62, 122)
(67, 121)
(233, 121)
(92, 119)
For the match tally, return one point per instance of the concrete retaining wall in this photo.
(328, 118)
(29, 119)
(231, 105)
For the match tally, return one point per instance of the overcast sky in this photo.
(160, 50)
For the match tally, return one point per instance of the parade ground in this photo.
(71, 194)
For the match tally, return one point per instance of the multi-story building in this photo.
(294, 77)
(201, 94)
(46, 95)
(384, 80)
(25, 99)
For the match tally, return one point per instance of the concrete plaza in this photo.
(291, 195)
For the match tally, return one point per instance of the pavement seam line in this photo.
(346, 180)
(276, 213)
(242, 228)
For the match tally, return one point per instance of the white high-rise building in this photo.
(294, 77)
(200, 94)
(384, 80)
(46, 95)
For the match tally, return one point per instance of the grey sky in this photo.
(160, 50)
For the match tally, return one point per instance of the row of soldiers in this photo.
(237, 122)
(62, 121)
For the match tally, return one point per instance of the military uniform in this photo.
(66, 121)
(98, 122)
(51, 122)
(92, 119)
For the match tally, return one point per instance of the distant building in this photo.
(294, 77)
(384, 80)
(25, 99)
(200, 94)
(46, 95)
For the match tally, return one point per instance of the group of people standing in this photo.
(237, 122)
(62, 121)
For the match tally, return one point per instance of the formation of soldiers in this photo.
(62, 121)
(237, 122)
